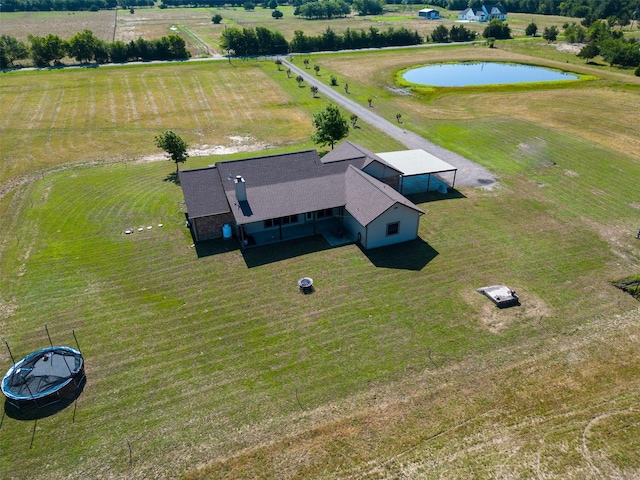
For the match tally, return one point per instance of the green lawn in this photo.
(395, 366)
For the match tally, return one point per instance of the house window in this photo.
(393, 228)
(327, 212)
(309, 215)
(274, 222)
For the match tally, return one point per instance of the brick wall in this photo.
(211, 227)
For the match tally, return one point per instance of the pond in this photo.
(484, 73)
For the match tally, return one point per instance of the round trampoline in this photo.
(44, 377)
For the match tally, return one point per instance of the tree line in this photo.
(70, 5)
(250, 41)
(86, 47)
(624, 11)
(608, 43)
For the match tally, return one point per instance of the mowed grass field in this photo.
(210, 364)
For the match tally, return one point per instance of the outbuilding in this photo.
(429, 13)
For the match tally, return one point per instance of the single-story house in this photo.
(429, 13)
(485, 13)
(350, 192)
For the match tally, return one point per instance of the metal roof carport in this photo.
(417, 162)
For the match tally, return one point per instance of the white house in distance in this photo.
(485, 13)
(429, 13)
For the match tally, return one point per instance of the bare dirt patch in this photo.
(495, 319)
(569, 47)
(238, 144)
(6, 309)
(618, 235)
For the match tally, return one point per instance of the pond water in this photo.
(485, 73)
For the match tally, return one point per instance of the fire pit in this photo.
(305, 285)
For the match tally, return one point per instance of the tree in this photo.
(288, 73)
(497, 29)
(278, 62)
(306, 63)
(399, 117)
(273, 4)
(330, 125)
(333, 80)
(550, 34)
(217, 18)
(574, 33)
(175, 147)
(440, 34)
(314, 90)
(83, 45)
(277, 14)
(368, 7)
(299, 79)
(249, 6)
(354, 119)
(370, 100)
(459, 33)
(118, 52)
(316, 68)
(531, 30)
(11, 50)
(589, 51)
(45, 50)
(620, 52)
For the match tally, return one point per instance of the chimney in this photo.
(241, 188)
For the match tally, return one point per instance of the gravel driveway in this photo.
(469, 174)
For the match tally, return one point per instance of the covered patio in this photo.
(332, 229)
(421, 171)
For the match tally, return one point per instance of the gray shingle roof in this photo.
(290, 184)
(368, 198)
(358, 156)
(281, 185)
(203, 192)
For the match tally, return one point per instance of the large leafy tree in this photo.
(83, 46)
(440, 34)
(330, 125)
(45, 50)
(11, 50)
(497, 29)
(368, 7)
(175, 147)
(589, 51)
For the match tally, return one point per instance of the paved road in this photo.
(469, 174)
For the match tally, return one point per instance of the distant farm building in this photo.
(429, 13)
(484, 13)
